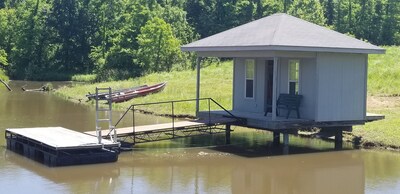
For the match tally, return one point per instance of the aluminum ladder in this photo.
(108, 114)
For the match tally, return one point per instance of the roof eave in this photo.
(284, 48)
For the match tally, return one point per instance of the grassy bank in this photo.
(383, 98)
(384, 73)
(383, 94)
(383, 133)
(180, 86)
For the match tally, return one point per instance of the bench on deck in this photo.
(288, 102)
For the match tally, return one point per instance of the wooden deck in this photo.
(57, 146)
(126, 131)
(259, 121)
(374, 117)
(61, 138)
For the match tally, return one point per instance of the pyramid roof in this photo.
(282, 32)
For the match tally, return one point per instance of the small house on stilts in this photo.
(291, 74)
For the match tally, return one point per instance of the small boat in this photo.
(122, 97)
(102, 96)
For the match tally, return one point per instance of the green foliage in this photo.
(3, 76)
(59, 38)
(158, 48)
(310, 10)
(84, 78)
(3, 58)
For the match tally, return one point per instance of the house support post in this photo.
(339, 139)
(228, 134)
(276, 139)
(274, 86)
(285, 143)
(198, 63)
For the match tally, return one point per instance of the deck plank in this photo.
(61, 138)
(374, 117)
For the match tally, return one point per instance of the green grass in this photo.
(384, 132)
(383, 80)
(217, 84)
(3, 76)
(384, 72)
(84, 78)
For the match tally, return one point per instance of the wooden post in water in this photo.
(228, 134)
(285, 143)
(276, 139)
(339, 139)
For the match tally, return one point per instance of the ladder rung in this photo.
(103, 119)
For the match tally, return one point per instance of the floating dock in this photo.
(58, 146)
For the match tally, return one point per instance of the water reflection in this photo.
(206, 171)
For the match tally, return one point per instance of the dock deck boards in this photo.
(61, 138)
(165, 126)
(374, 117)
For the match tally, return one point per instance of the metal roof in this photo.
(282, 32)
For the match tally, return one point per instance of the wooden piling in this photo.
(228, 134)
(276, 138)
(339, 139)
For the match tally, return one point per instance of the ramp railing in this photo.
(173, 114)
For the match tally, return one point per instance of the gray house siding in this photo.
(240, 103)
(306, 82)
(340, 87)
(307, 88)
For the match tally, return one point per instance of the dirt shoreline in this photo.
(351, 138)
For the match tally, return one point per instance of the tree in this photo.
(391, 25)
(245, 11)
(70, 21)
(329, 11)
(3, 64)
(310, 10)
(3, 58)
(286, 5)
(158, 48)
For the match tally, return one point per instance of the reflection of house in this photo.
(321, 173)
(282, 54)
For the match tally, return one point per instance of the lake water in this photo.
(187, 165)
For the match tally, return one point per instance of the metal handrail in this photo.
(132, 107)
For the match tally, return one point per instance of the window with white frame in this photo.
(249, 84)
(294, 66)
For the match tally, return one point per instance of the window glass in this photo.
(249, 68)
(249, 84)
(294, 76)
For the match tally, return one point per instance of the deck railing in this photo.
(173, 114)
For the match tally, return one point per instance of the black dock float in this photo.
(57, 146)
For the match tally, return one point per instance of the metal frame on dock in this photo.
(175, 129)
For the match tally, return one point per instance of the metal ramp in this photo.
(108, 115)
(175, 129)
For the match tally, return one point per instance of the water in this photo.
(187, 165)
